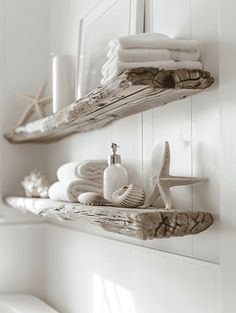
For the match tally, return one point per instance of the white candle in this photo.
(63, 72)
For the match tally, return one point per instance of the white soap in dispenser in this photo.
(115, 175)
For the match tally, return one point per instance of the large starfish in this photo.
(164, 181)
(36, 104)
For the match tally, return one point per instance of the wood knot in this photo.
(169, 82)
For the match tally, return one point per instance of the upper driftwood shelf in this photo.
(134, 91)
(139, 223)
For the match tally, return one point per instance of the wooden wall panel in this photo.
(206, 128)
(171, 123)
(191, 126)
(101, 275)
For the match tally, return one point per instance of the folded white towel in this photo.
(156, 41)
(142, 55)
(86, 170)
(146, 55)
(69, 190)
(179, 55)
(115, 68)
(111, 71)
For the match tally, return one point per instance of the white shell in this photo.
(35, 185)
(131, 196)
(91, 198)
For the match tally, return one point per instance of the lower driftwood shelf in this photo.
(139, 223)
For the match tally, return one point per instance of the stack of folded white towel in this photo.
(75, 178)
(150, 50)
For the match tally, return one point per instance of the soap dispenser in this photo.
(115, 175)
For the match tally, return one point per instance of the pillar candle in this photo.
(63, 72)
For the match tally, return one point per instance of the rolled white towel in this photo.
(157, 41)
(112, 48)
(86, 170)
(92, 169)
(119, 67)
(69, 190)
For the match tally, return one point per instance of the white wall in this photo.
(24, 60)
(22, 259)
(191, 126)
(228, 155)
(146, 279)
(23, 67)
(90, 274)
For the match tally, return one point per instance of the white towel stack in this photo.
(75, 178)
(149, 50)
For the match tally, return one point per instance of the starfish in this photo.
(164, 181)
(36, 104)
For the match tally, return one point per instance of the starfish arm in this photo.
(38, 109)
(183, 181)
(25, 116)
(165, 194)
(165, 168)
(40, 91)
(152, 197)
(25, 97)
(45, 100)
(45, 104)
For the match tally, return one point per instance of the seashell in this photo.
(131, 196)
(92, 198)
(35, 185)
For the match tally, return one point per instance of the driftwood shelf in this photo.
(139, 223)
(134, 91)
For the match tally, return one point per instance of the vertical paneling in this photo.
(151, 281)
(228, 154)
(202, 295)
(2, 75)
(170, 17)
(170, 123)
(98, 275)
(191, 126)
(205, 126)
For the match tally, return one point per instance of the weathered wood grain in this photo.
(134, 91)
(139, 223)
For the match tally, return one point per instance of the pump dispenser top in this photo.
(114, 158)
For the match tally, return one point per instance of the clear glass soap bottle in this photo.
(115, 175)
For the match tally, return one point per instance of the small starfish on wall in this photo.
(164, 181)
(36, 104)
